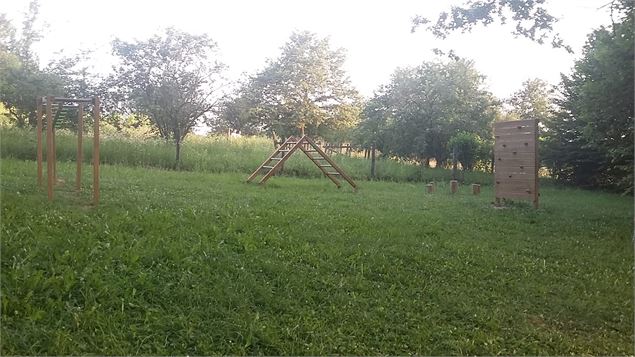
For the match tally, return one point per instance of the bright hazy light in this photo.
(376, 34)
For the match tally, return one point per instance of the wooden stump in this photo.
(476, 189)
(454, 186)
(430, 187)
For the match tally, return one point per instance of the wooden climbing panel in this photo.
(516, 160)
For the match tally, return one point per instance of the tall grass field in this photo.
(213, 154)
(198, 262)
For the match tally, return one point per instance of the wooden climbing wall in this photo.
(516, 160)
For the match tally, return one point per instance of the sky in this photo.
(375, 34)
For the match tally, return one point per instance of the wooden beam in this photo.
(49, 146)
(80, 152)
(73, 100)
(54, 156)
(536, 192)
(96, 115)
(38, 115)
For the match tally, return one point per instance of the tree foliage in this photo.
(21, 78)
(306, 87)
(530, 18)
(533, 101)
(470, 149)
(590, 141)
(170, 78)
(416, 114)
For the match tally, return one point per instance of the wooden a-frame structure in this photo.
(275, 161)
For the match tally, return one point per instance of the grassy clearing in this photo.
(214, 154)
(200, 263)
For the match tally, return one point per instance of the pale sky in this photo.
(376, 34)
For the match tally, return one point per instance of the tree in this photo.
(532, 101)
(590, 141)
(305, 88)
(22, 80)
(470, 148)
(170, 78)
(234, 113)
(423, 107)
(530, 17)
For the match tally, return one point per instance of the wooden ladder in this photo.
(274, 162)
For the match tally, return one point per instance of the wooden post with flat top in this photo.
(80, 153)
(454, 186)
(38, 115)
(96, 104)
(49, 146)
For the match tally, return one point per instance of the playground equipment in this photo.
(59, 113)
(275, 161)
(516, 160)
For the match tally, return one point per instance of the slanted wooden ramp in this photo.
(328, 167)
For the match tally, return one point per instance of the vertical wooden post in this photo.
(430, 188)
(49, 146)
(38, 115)
(54, 155)
(476, 189)
(373, 163)
(96, 109)
(536, 164)
(454, 185)
(80, 152)
(454, 164)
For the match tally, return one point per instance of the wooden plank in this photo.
(517, 195)
(49, 146)
(536, 193)
(515, 170)
(515, 124)
(519, 187)
(514, 178)
(73, 100)
(506, 155)
(517, 146)
(38, 115)
(281, 162)
(80, 152)
(96, 117)
(337, 168)
(529, 135)
(512, 139)
(512, 131)
(270, 158)
(306, 149)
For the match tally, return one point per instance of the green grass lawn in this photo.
(201, 263)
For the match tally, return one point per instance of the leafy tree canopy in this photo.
(529, 17)
(171, 78)
(416, 114)
(306, 87)
(590, 141)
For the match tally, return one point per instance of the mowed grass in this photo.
(198, 263)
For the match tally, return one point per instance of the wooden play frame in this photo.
(45, 105)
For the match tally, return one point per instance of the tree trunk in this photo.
(426, 163)
(372, 162)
